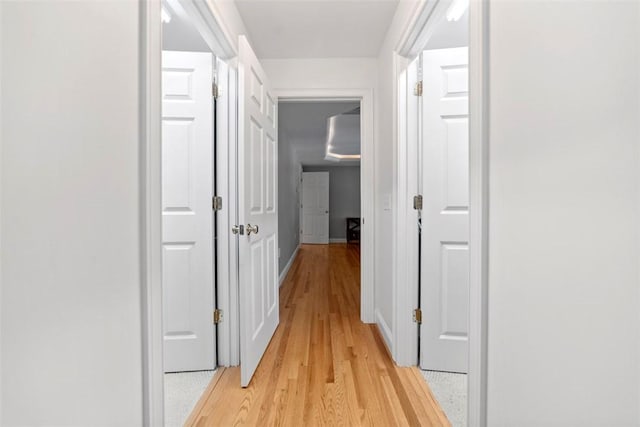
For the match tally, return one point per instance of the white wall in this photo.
(321, 73)
(70, 338)
(564, 330)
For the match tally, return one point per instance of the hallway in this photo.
(323, 365)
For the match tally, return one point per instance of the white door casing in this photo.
(315, 207)
(187, 218)
(257, 207)
(445, 216)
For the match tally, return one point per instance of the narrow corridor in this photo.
(323, 365)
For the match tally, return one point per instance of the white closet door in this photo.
(187, 219)
(315, 207)
(445, 216)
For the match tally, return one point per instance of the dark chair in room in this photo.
(353, 230)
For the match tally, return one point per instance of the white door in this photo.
(315, 207)
(187, 218)
(257, 211)
(445, 215)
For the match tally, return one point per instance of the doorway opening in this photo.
(442, 150)
(192, 122)
(319, 175)
(443, 183)
(351, 101)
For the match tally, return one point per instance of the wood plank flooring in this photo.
(323, 365)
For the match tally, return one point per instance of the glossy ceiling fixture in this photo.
(343, 137)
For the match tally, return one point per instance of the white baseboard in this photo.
(385, 330)
(338, 240)
(283, 275)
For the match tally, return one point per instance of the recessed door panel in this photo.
(456, 164)
(257, 166)
(177, 179)
(454, 291)
(258, 278)
(271, 175)
(178, 276)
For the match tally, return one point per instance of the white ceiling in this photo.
(317, 28)
(303, 126)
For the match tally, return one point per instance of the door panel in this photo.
(187, 221)
(315, 207)
(445, 216)
(257, 206)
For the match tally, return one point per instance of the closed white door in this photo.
(315, 207)
(187, 218)
(445, 215)
(257, 211)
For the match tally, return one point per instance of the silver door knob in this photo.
(252, 229)
(237, 229)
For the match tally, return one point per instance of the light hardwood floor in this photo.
(323, 365)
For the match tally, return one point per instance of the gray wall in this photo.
(288, 200)
(344, 196)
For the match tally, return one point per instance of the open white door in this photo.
(445, 216)
(315, 207)
(257, 211)
(187, 218)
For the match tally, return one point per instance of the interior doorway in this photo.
(319, 175)
(189, 70)
(436, 93)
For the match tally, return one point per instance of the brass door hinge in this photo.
(217, 316)
(417, 202)
(216, 203)
(417, 90)
(215, 91)
(417, 315)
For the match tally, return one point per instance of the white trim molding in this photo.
(478, 210)
(405, 218)
(150, 210)
(367, 164)
(285, 270)
(385, 330)
(428, 14)
(209, 24)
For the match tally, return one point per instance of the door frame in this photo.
(367, 163)
(405, 259)
(208, 20)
